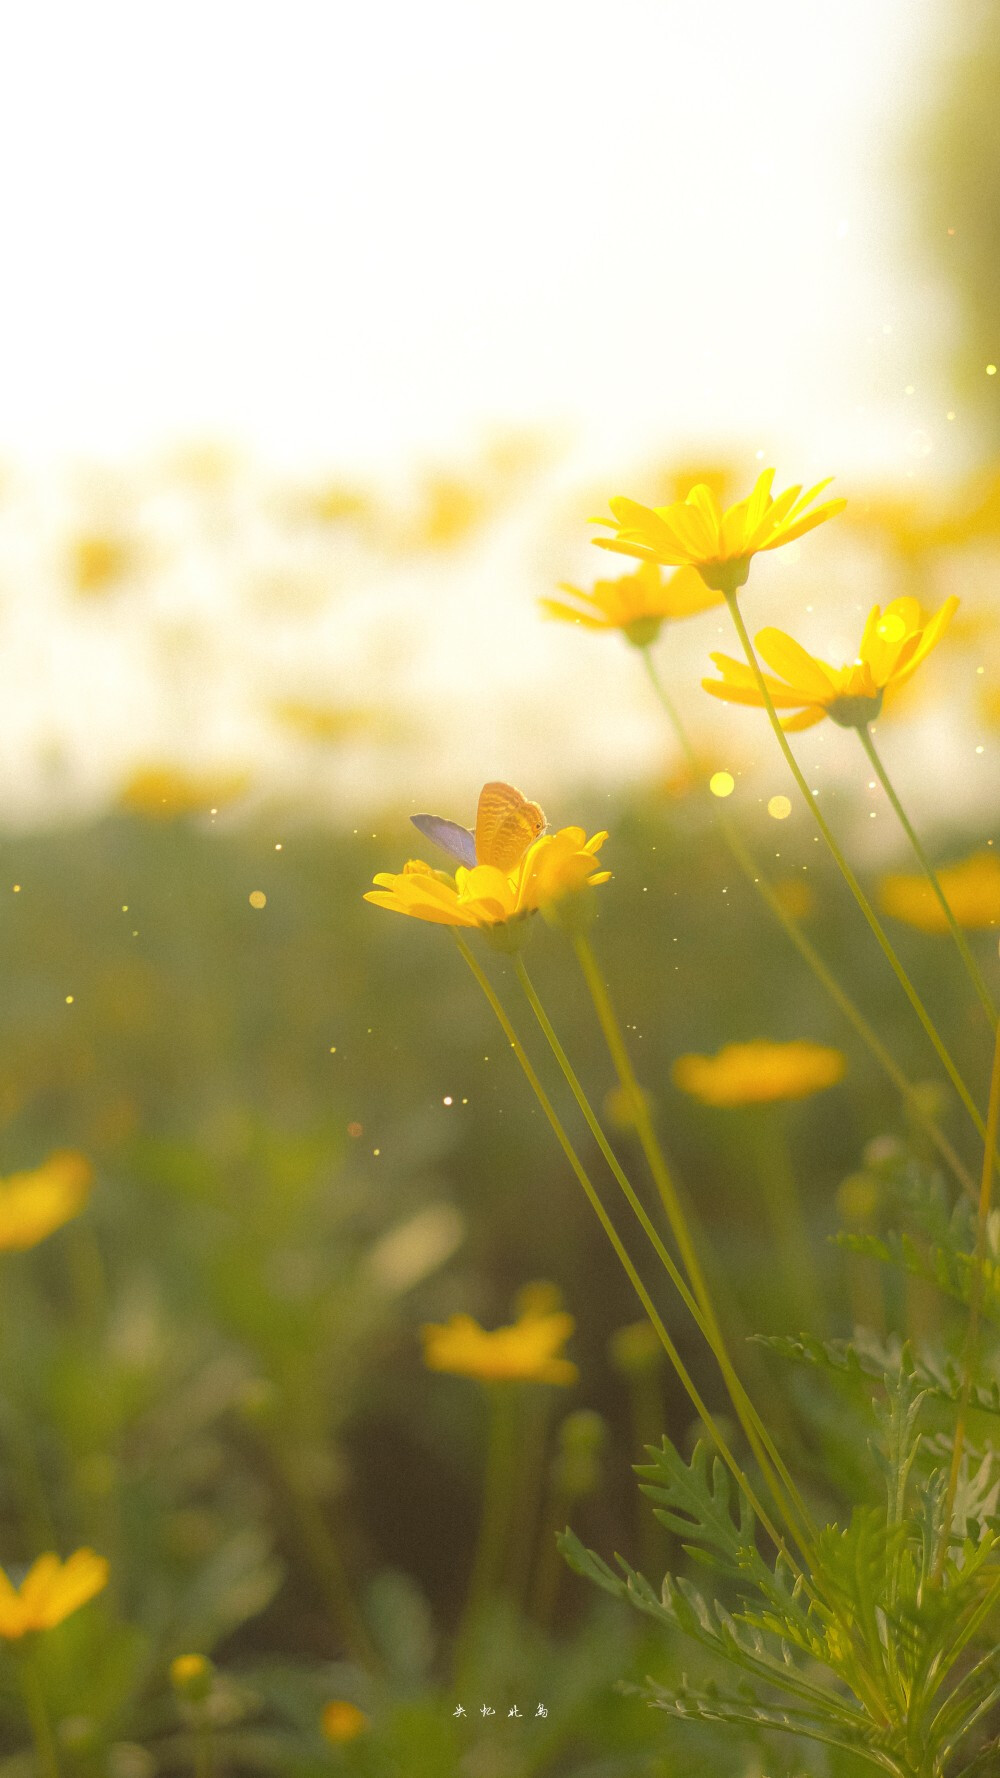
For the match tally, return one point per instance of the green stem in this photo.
(323, 1558)
(975, 1302)
(204, 1751)
(501, 1470)
(869, 1036)
(779, 1186)
(974, 971)
(850, 879)
(792, 1509)
(703, 1412)
(46, 1751)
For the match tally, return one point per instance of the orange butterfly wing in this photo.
(506, 824)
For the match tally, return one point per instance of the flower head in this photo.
(36, 1203)
(50, 1591)
(893, 645)
(759, 1072)
(162, 793)
(527, 1352)
(511, 867)
(191, 1677)
(637, 604)
(697, 533)
(971, 888)
(342, 1721)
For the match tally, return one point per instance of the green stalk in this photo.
(779, 1186)
(974, 972)
(850, 879)
(703, 1412)
(501, 1471)
(793, 1510)
(869, 1036)
(46, 1751)
(975, 1302)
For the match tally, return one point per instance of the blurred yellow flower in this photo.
(97, 559)
(164, 792)
(637, 604)
(894, 644)
(342, 1721)
(795, 897)
(971, 888)
(323, 722)
(527, 1352)
(757, 1073)
(36, 1203)
(191, 1677)
(697, 533)
(50, 1591)
(554, 865)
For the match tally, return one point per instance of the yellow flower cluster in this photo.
(760, 1072)
(893, 645)
(553, 866)
(50, 1591)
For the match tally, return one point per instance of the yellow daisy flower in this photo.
(191, 1677)
(342, 1721)
(971, 888)
(637, 604)
(36, 1203)
(527, 1352)
(50, 1591)
(760, 1072)
(893, 645)
(162, 793)
(556, 865)
(697, 533)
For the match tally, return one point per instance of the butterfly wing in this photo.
(506, 824)
(457, 841)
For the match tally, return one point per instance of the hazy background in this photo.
(322, 340)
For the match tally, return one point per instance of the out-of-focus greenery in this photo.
(309, 1139)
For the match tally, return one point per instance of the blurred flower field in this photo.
(313, 1344)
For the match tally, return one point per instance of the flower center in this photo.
(855, 712)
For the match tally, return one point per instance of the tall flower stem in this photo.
(975, 1304)
(974, 972)
(810, 956)
(850, 879)
(46, 1751)
(768, 1134)
(700, 1306)
(494, 1525)
(702, 1410)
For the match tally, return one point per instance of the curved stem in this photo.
(975, 1302)
(703, 1412)
(855, 1017)
(851, 880)
(792, 1510)
(974, 972)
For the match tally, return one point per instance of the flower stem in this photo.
(769, 1138)
(975, 1302)
(703, 1412)
(869, 1036)
(851, 880)
(46, 1752)
(501, 1470)
(700, 1305)
(965, 952)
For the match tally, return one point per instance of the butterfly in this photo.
(506, 824)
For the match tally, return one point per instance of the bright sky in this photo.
(352, 232)
(350, 238)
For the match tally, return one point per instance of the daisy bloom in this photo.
(893, 645)
(342, 1721)
(697, 533)
(36, 1203)
(971, 888)
(637, 604)
(191, 1677)
(50, 1591)
(759, 1073)
(553, 866)
(527, 1352)
(164, 792)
